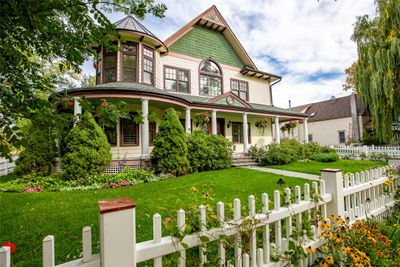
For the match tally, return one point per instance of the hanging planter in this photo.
(201, 119)
(261, 125)
(289, 127)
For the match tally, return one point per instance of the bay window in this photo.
(148, 65)
(129, 62)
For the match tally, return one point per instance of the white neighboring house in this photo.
(336, 121)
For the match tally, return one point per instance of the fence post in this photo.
(118, 232)
(5, 258)
(334, 186)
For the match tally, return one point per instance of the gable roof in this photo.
(334, 108)
(213, 20)
(223, 99)
(131, 24)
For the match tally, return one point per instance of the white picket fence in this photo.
(353, 196)
(6, 167)
(391, 151)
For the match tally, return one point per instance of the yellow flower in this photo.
(310, 250)
(323, 264)
(346, 250)
(325, 248)
(329, 260)
(194, 189)
(206, 196)
(324, 225)
(388, 182)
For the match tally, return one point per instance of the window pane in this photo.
(183, 87)
(236, 132)
(234, 85)
(129, 134)
(147, 77)
(170, 85)
(243, 86)
(129, 68)
(210, 67)
(170, 73)
(152, 131)
(129, 47)
(148, 65)
(210, 85)
(183, 76)
(148, 53)
(243, 95)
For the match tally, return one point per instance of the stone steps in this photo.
(243, 160)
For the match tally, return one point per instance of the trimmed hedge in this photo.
(209, 152)
(325, 157)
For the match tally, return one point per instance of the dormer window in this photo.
(148, 65)
(210, 78)
(129, 62)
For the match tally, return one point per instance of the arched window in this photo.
(210, 78)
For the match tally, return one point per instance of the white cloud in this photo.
(298, 39)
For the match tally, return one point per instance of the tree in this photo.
(87, 151)
(88, 81)
(377, 71)
(170, 153)
(33, 35)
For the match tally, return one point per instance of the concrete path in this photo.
(287, 173)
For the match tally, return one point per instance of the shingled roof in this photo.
(131, 24)
(334, 108)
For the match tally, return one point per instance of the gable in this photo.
(203, 43)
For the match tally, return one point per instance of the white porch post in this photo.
(245, 133)
(77, 106)
(187, 121)
(277, 131)
(145, 127)
(305, 131)
(214, 122)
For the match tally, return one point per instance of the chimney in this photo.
(290, 104)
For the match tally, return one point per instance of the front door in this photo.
(220, 126)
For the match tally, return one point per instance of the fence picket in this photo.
(203, 222)
(181, 226)
(87, 243)
(237, 216)
(48, 251)
(278, 223)
(221, 219)
(266, 237)
(157, 237)
(253, 243)
(5, 257)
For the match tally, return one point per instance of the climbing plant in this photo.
(377, 70)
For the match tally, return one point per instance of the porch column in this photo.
(245, 133)
(187, 121)
(77, 106)
(145, 127)
(277, 131)
(214, 122)
(305, 130)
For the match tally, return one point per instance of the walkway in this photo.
(287, 173)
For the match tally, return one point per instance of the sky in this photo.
(308, 42)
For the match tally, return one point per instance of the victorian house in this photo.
(200, 69)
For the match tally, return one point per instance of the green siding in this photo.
(200, 42)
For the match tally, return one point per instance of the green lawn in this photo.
(346, 166)
(26, 218)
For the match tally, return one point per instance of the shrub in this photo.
(310, 149)
(86, 151)
(39, 153)
(209, 152)
(326, 149)
(170, 146)
(257, 152)
(325, 157)
(277, 155)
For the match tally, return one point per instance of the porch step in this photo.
(243, 160)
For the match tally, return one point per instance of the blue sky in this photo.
(305, 41)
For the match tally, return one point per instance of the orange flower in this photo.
(310, 250)
(323, 264)
(330, 260)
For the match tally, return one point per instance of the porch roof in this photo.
(190, 100)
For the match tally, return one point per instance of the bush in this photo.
(325, 157)
(170, 146)
(326, 149)
(257, 152)
(310, 149)
(87, 151)
(39, 153)
(209, 152)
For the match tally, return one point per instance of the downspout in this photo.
(270, 89)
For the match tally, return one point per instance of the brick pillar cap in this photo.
(116, 204)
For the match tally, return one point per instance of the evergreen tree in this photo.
(87, 151)
(170, 153)
(377, 70)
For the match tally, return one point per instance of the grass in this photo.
(314, 167)
(26, 218)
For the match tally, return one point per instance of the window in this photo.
(210, 79)
(176, 80)
(129, 132)
(310, 137)
(110, 65)
(148, 65)
(152, 132)
(129, 62)
(342, 137)
(240, 88)
(237, 132)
